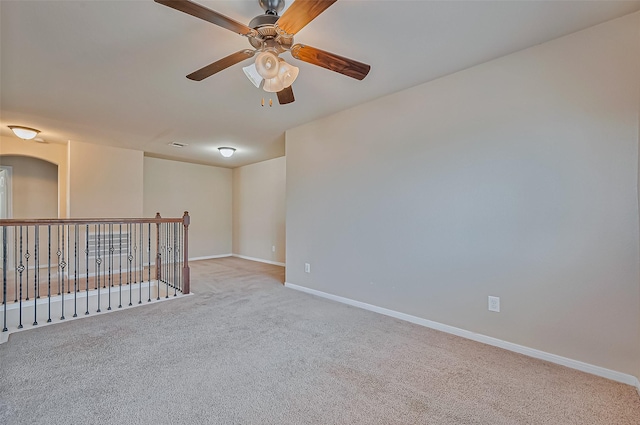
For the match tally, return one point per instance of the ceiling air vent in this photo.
(178, 145)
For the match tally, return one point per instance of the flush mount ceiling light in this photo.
(226, 152)
(25, 133)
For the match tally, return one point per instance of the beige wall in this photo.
(51, 152)
(172, 187)
(516, 178)
(34, 187)
(259, 210)
(104, 181)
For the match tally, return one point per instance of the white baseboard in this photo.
(531, 352)
(260, 260)
(210, 257)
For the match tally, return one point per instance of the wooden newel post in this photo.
(158, 256)
(186, 283)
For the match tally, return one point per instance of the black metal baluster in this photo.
(110, 261)
(149, 260)
(63, 266)
(68, 251)
(15, 265)
(158, 259)
(135, 253)
(120, 266)
(98, 262)
(20, 270)
(167, 273)
(165, 259)
(27, 256)
(86, 253)
(4, 279)
(141, 262)
(175, 260)
(49, 272)
(173, 254)
(36, 237)
(179, 249)
(130, 259)
(177, 245)
(38, 254)
(59, 253)
(169, 256)
(36, 262)
(103, 251)
(170, 251)
(76, 263)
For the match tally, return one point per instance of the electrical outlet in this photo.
(494, 304)
(273, 248)
(307, 268)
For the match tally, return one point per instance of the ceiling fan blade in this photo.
(208, 15)
(221, 64)
(300, 13)
(333, 62)
(286, 96)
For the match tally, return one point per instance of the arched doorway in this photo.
(30, 187)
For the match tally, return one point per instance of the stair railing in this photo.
(57, 267)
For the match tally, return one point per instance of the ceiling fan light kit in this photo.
(271, 35)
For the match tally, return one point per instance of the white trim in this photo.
(531, 352)
(260, 260)
(209, 257)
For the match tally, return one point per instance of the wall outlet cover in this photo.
(494, 304)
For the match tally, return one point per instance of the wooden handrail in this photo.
(47, 221)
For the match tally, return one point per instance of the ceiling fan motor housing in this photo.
(268, 36)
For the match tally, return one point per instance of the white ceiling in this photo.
(113, 72)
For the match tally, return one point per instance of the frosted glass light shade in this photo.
(287, 74)
(226, 152)
(24, 133)
(252, 74)
(273, 85)
(267, 65)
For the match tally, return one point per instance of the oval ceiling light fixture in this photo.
(25, 133)
(226, 152)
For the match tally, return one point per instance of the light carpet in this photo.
(246, 350)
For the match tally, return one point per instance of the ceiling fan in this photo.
(270, 35)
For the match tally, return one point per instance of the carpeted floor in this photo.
(246, 350)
